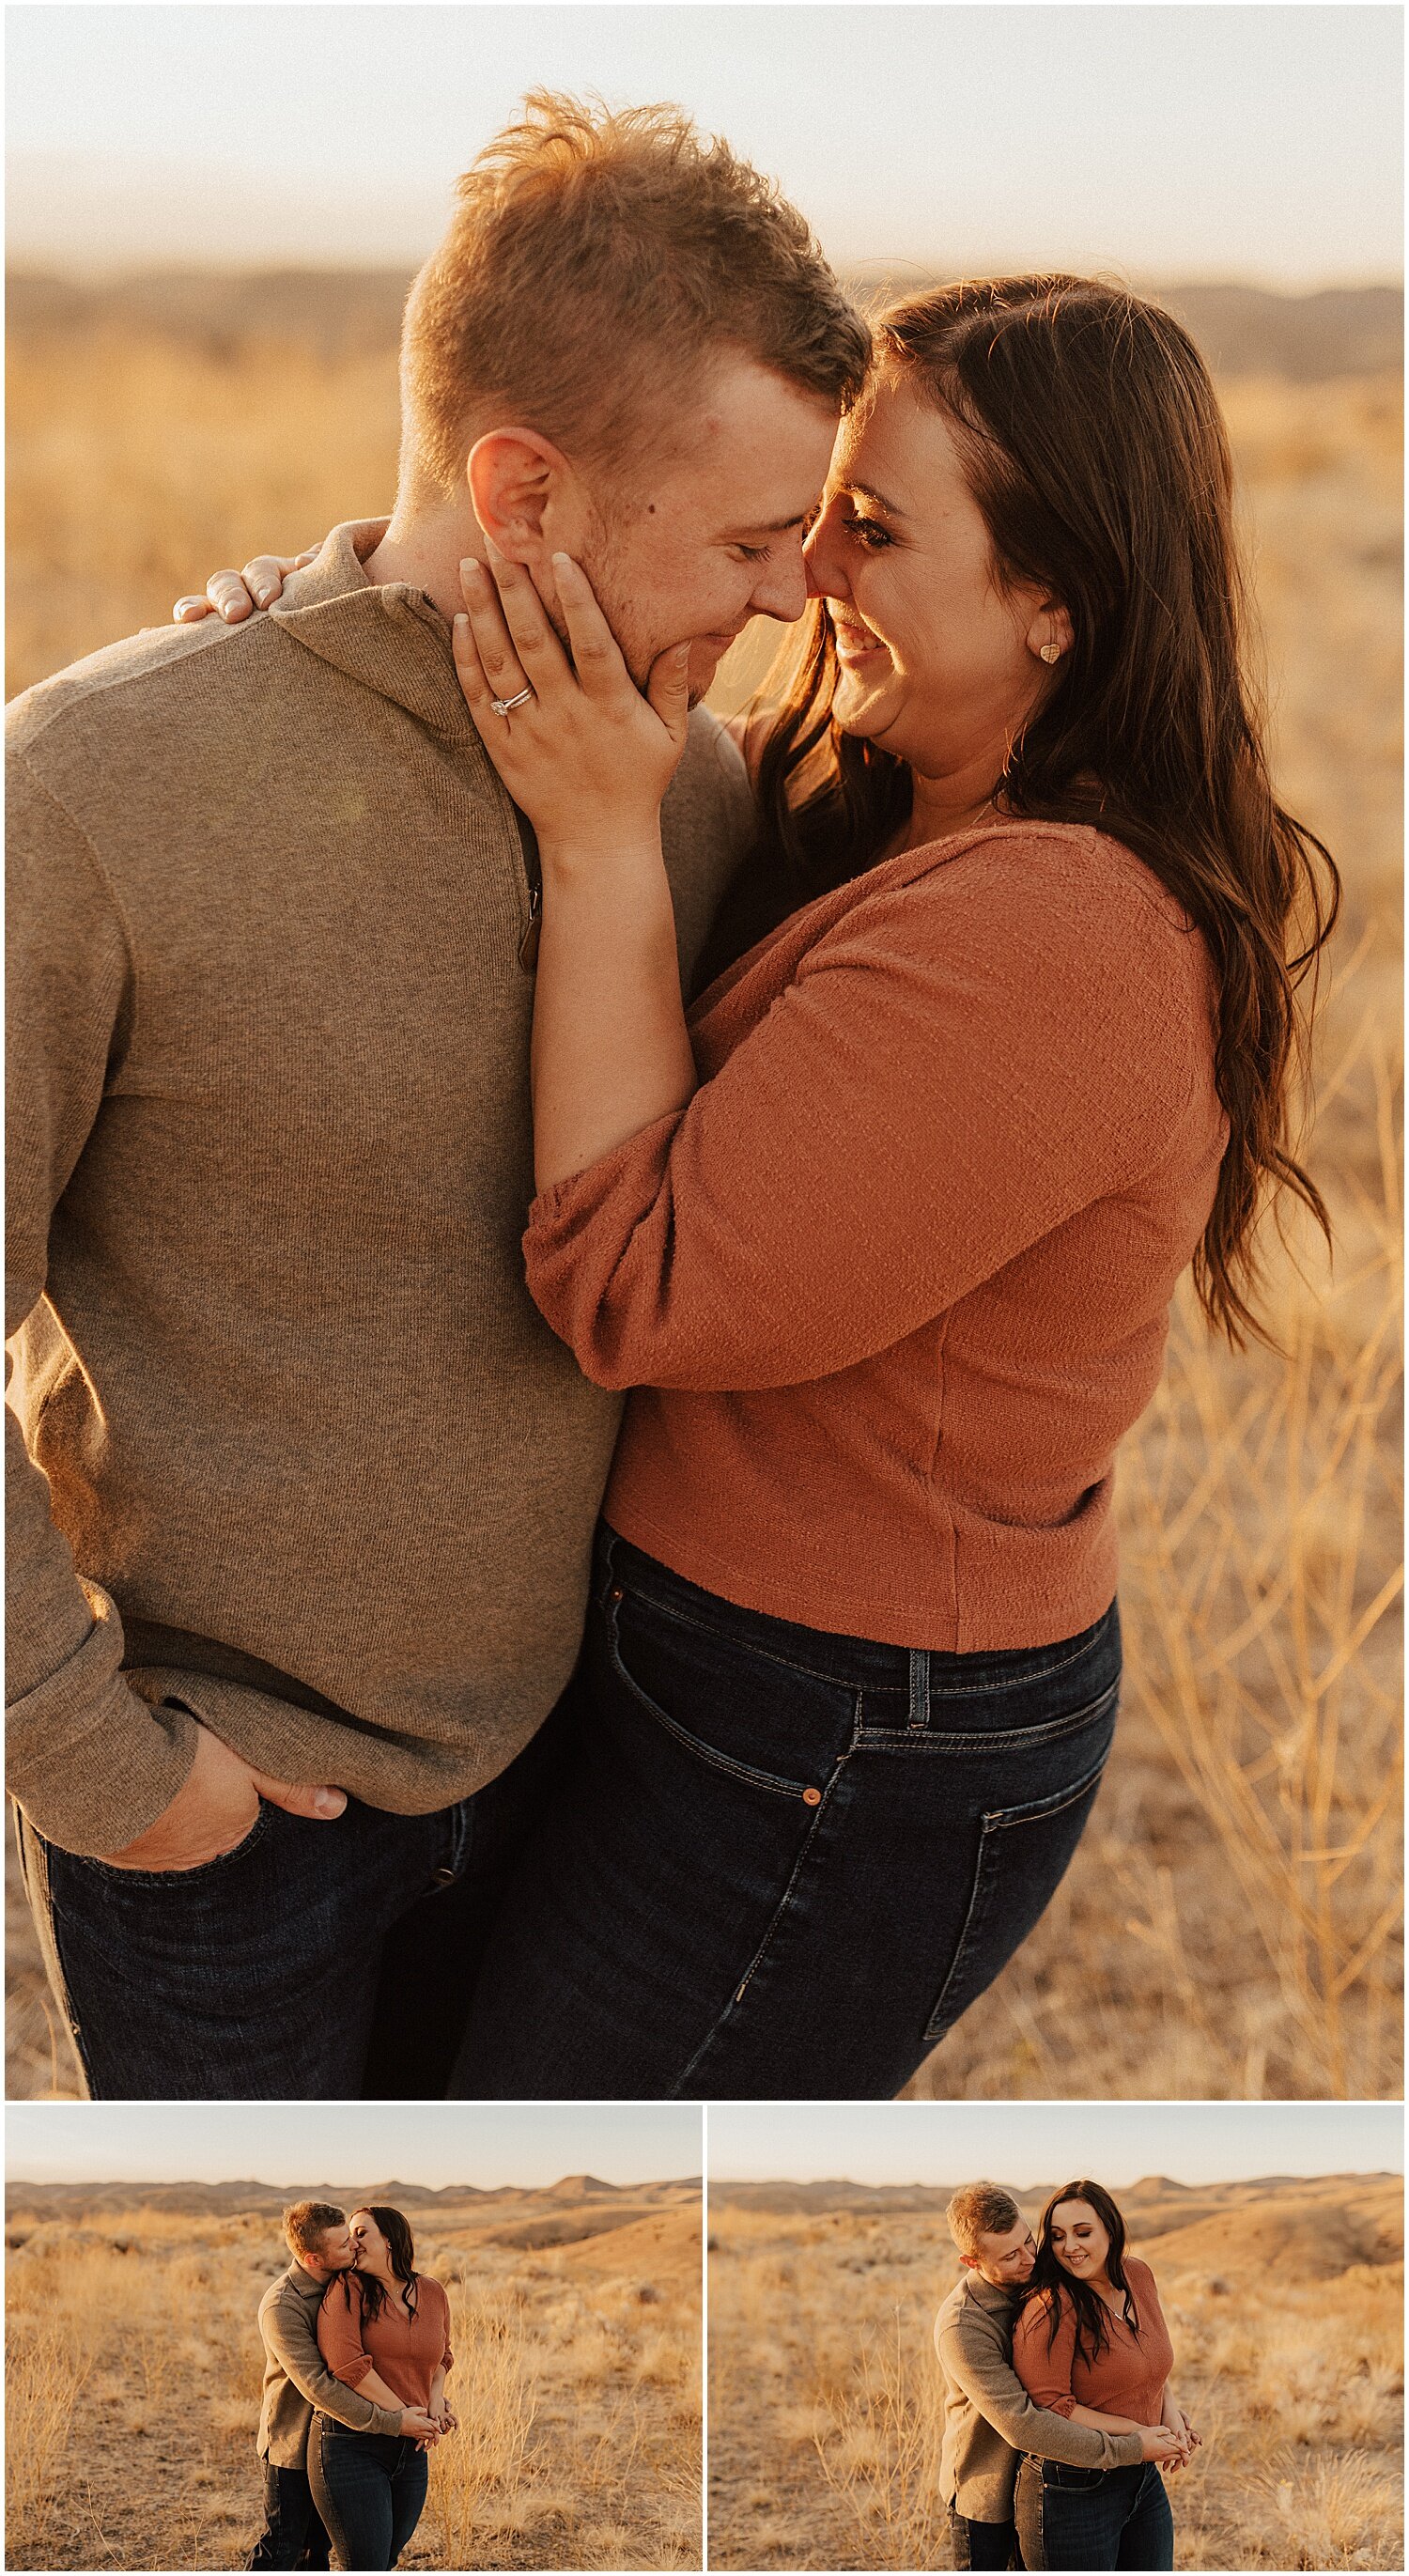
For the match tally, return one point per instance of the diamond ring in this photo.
(506, 706)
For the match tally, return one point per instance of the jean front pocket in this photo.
(763, 1722)
(1023, 1852)
(1071, 2480)
(173, 1880)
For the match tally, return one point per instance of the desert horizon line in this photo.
(41, 266)
(398, 2182)
(753, 2181)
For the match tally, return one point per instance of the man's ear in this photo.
(969, 2262)
(514, 475)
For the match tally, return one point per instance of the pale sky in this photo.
(1021, 2143)
(1175, 142)
(431, 2143)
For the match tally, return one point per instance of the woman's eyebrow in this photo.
(878, 500)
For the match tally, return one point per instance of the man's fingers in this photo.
(596, 654)
(189, 610)
(298, 1800)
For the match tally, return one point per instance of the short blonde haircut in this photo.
(595, 259)
(981, 2209)
(307, 2222)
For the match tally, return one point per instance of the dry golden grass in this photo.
(825, 2416)
(134, 2396)
(1230, 1924)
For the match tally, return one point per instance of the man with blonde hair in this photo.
(303, 1488)
(989, 2418)
(297, 2379)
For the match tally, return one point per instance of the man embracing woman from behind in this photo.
(357, 2352)
(1059, 2415)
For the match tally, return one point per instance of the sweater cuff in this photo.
(1126, 2446)
(587, 1188)
(91, 1779)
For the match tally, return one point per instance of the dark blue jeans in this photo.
(369, 2489)
(1086, 2518)
(293, 2535)
(320, 1962)
(982, 2544)
(778, 1862)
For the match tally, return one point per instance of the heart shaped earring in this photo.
(1049, 652)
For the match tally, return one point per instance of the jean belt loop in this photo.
(609, 1547)
(462, 1826)
(919, 1690)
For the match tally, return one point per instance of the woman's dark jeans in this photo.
(369, 2489)
(1086, 2518)
(779, 1862)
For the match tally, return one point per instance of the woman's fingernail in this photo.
(462, 623)
(565, 563)
(329, 1802)
(494, 552)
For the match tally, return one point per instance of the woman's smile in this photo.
(855, 642)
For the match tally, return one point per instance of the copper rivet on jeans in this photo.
(812, 1797)
(445, 1877)
(616, 1593)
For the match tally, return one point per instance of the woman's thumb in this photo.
(668, 688)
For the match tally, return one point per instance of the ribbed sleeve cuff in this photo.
(90, 1763)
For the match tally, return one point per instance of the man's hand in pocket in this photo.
(214, 1809)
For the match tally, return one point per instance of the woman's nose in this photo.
(825, 578)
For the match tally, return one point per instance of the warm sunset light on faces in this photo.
(937, 659)
(1079, 2241)
(710, 535)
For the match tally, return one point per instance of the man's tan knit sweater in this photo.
(281, 1384)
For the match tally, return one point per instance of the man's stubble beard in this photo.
(600, 560)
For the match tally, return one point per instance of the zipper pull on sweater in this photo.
(528, 945)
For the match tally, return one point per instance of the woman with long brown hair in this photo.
(1090, 2343)
(383, 2328)
(1004, 1030)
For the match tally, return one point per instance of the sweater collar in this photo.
(385, 634)
(302, 2281)
(987, 2294)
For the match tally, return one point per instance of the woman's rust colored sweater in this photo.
(405, 2352)
(1128, 2378)
(894, 1284)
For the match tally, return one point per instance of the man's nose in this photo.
(782, 591)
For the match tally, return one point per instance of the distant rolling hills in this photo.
(339, 313)
(1316, 2228)
(556, 2213)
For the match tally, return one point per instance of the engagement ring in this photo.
(506, 706)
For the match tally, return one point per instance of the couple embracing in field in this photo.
(1060, 2422)
(578, 1278)
(356, 2356)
